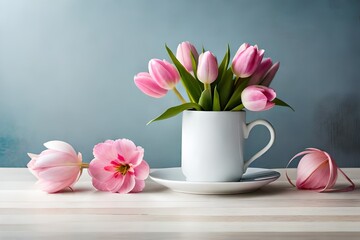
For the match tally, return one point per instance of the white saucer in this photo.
(253, 179)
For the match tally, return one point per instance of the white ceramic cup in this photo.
(213, 145)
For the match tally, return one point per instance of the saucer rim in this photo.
(273, 178)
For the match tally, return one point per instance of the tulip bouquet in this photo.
(211, 86)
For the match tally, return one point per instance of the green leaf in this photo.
(192, 86)
(222, 68)
(238, 108)
(235, 99)
(216, 102)
(194, 64)
(240, 81)
(173, 111)
(225, 62)
(279, 102)
(226, 88)
(205, 100)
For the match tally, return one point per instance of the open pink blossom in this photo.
(318, 171)
(56, 168)
(118, 166)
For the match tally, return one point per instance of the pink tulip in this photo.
(270, 74)
(246, 60)
(56, 168)
(164, 73)
(148, 86)
(183, 54)
(317, 171)
(260, 72)
(118, 166)
(258, 98)
(207, 70)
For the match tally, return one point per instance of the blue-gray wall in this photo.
(67, 67)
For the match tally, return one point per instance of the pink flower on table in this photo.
(183, 54)
(258, 98)
(207, 70)
(56, 168)
(318, 171)
(246, 60)
(118, 166)
(164, 73)
(148, 85)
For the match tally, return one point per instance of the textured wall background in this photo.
(67, 67)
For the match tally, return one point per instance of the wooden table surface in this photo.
(277, 211)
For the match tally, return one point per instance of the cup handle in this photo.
(247, 130)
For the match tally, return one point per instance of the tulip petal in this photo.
(349, 188)
(260, 72)
(254, 101)
(207, 70)
(57, 174)
(269, 93)
(97, 170)
(142, 171)
(105, 151)
(269, 76)
(268, 106)
(308, 164)
(242, 48)
(51, 186)
(32, 155)
(333, 172)
(316, 179)
(172, 70)
(246, 60)
(99, 185)
(114, 183)
(258, 98)
(131, 153)
(128, 184)
(183, 54)
(55, 159)
(30, 166)
(291, 160)
(148, 85)
(139, 186)
(164, 74)
(60, 146)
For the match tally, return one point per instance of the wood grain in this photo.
(277, 211)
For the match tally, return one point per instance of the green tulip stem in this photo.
(236, 80)
(207, 87)
(178, 94)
